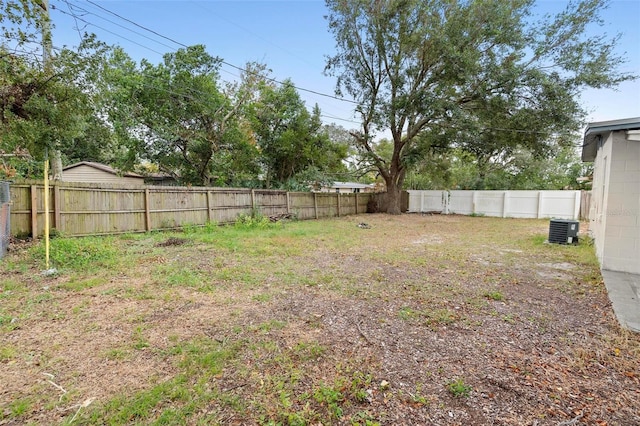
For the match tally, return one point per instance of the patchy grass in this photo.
(316, 322)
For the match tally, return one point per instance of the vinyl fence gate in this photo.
(4, 217)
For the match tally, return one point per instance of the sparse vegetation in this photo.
(458, 388)
(494, 295)
(313, 323)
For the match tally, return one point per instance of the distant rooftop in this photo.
(102, 167)
(351, 185)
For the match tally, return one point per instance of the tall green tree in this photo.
(177, 114)
(45, 97)
(39, 109)
(521, 170)
(431, 70)
(291, 140)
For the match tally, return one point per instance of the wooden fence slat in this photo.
(315, 204)
(56, 207)
(34, 212)
(147, 211)
(90, 209)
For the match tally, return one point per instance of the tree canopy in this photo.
(473, 93)
(176, 117)
(479, 74)
(291, 140)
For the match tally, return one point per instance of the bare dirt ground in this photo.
(419, 320)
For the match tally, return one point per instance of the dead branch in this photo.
(55, 385)
(279, 217)
(573, 421)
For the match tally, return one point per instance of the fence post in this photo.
(34, 212)
(576, 206)
(338, 195)
(288, 203)
(356, 203)
(57, 214)
(505, 201)
(209, 207)
(540, 200)
(445, 201)
(147, 212)
(315, 204)
(474, 201)
(421, 201)
(253, 201)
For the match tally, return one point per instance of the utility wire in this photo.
(338, 118)
(222, 61)
(76, 7)
(108, 31)
(522, 131)
(258, 36)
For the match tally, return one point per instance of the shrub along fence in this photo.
(5, 222)
(93, 209)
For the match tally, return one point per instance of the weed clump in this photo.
(458, 388)
(255, 221)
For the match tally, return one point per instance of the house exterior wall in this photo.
(622, 234)
(348, 189)
(84, 173)
(598, 222)
(615, 223)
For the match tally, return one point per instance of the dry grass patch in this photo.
(416, 320)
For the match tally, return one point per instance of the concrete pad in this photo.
(624, 293)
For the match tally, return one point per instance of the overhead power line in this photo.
(222, 60)
(108, 31)
(88, 12)
(274, 80)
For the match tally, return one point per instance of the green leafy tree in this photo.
(351, 167)
(45, 98)
(177, 115)
(294, 149)
(24, 25)
(522, 170)
(435, 70)
(40, 110)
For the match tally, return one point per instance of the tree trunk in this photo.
(56, 165)
(394, 198)
(394, 177)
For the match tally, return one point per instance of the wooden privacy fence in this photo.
(93, 209)
(585, 205)
(5, 222)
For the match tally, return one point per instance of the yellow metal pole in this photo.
(46, 210)
(46, 61)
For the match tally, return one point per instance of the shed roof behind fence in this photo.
(102, 167)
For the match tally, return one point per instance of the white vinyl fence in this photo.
(521, 204)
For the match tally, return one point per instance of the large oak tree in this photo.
(481, 73)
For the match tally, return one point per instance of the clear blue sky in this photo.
(292, 39)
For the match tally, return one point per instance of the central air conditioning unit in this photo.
(563, 231)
